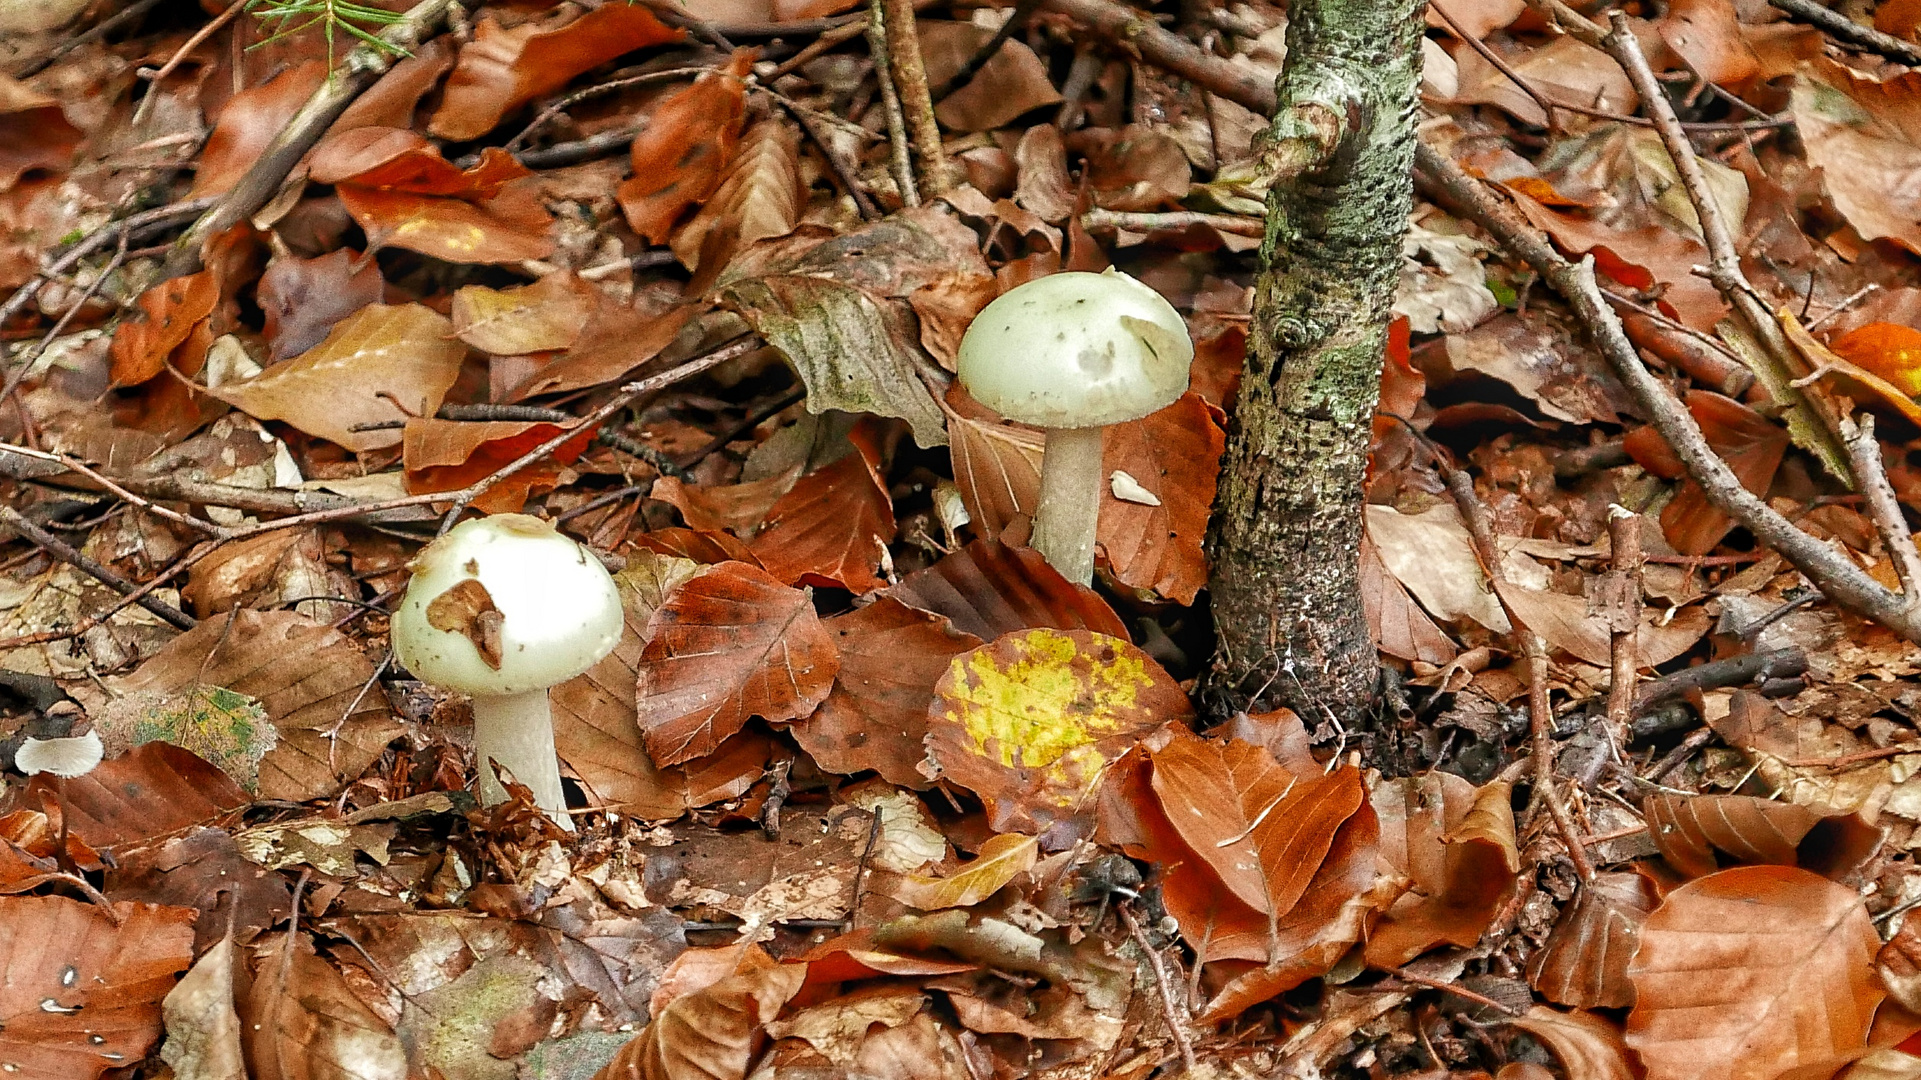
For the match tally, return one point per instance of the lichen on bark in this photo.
(1286, 531)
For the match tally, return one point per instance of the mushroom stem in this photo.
(517, 730)
(1070, 504)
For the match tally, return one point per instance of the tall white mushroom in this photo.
(1072, 353)
(500, 609)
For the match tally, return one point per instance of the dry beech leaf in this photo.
(155, 789)
(1175, 455)
(203, 1031)
(546, 315)
(997, 464)
(1751, 444)
(391, 101)
(616, 340)
(1565, 623)
(1750, 830)
(1707, 35)
(1263, 830)
(736, 508)
(1399, 626)
(733, 642)
(759, 197)
(301, 1022)
(401, 191)
(1859, 132)
(248, 123)
(1584, 962)
(707, 1034)
(173, 309)
(310, 679)
(1031, 721)
(1792, 957)
(1012, 82)
(989, 588)
(833, 526)
(304, 299)
(402, 352)
(1457, 844)
(1589, 1046)
(595, 732)
(83, 988)
(1044, 186)
(447, 455)
(704, 546)
(688, 142)
(34, 132)
(891, 655)
(501, 69)
(1001, 859)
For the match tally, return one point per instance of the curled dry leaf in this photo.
(173, 309)
(1399, 626)
(689, 140)
(1584, 962)
(1001, 860)
(1689, 830)
(595, 732)
(833, 526)
(379, 353)
(309, 677)
(708, 1034)
(301, 1022)
(733, 642)
(891, 655)
(736, 508)
(759, 197)
(1175, 455)
(399, 188)
(1456, 843)
(447, 455)
(1793, 961)
(849, 350)
(203, 1031)
(1031, 721)
(83, 988)
(988, 589)
(1012, 82)
(1590, 1047)
(1859, 131)
(502, 69)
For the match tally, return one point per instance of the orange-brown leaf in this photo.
(1175, 455)
(732, 643)
(83, 987)
(248, 122)
(1001, 859)
(833, 526)
(1584, 962)
(447, 455)
(1889, 350)
(502, 69)
(689, 141)
(1752, 972)
(891, 656)
(989, 588)
(173, 309)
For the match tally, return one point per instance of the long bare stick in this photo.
(66, 553)
(910, 82)
(901, 161)
(1622, 586)
(1838, 25)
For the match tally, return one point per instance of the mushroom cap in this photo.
(1077, 350)
(557, 609)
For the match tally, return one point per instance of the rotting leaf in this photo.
(733, 642)
(226, 729)
(468, 609)
(156, 789)
(304, 299)
(1174, 455)
(374, 358)
(840, 340)
(1031, 721)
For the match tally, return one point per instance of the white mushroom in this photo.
(501, 608)
(1072, 353)
(76, 755)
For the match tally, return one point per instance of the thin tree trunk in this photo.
(1287, 520)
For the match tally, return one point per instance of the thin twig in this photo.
(24, 363)
(910, 82)
(1884, 508)
(514, 144)
(1175, 1027)
(1456, 989)
(1837, 25)
(846, 173)
(1623, 585)
(1155, 221)
(66, 553)
(901, 161)
(1834, 574)
(207, 527)
(143, 223)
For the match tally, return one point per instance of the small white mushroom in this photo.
(69, 757)
(1072, 353)
(500, 609)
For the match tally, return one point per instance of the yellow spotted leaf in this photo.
(1031, 721)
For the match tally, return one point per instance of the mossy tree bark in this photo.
(1286, 532)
